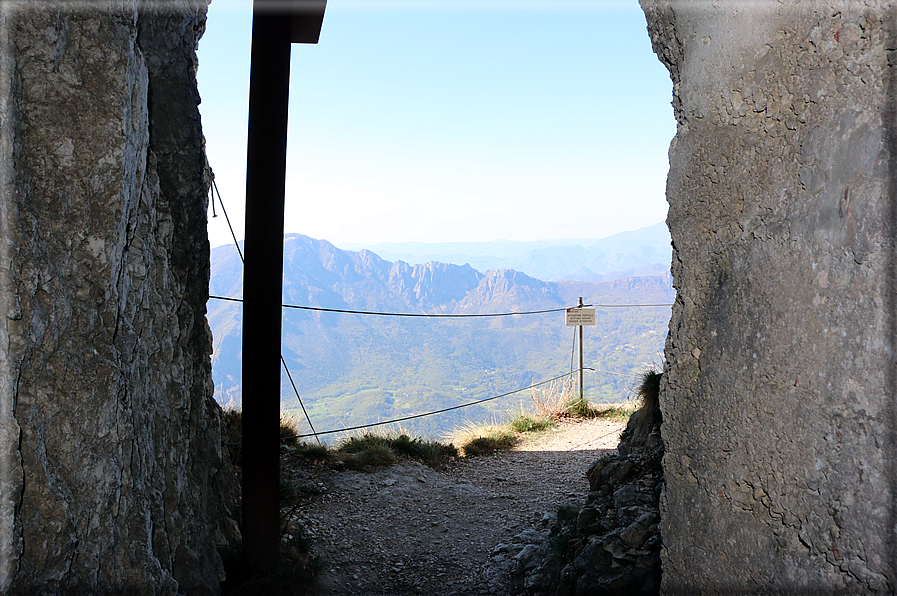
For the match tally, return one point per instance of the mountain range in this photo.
(642, 252)
(354, 369)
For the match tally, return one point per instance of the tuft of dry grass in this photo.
(559, 399)
(553, 399)
(290, 423)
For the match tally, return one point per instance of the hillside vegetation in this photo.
(356, 369)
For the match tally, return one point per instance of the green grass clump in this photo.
(474, 439)
(435, 454)
(373, 457)
(481, 445)
(559, 399)
(291, 491)
(372, 450)
(405, 445)
(567, 512)
(621, 413)
(365, 442)
(560, 545)
(581, 408)
(313, 451)
(525, 422)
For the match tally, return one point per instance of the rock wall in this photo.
(778, 400)
(110, 458)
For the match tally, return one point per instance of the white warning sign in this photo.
(580, 316)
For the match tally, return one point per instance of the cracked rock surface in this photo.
(112, 476)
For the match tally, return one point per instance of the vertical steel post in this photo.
(269, 85)
(580, 355)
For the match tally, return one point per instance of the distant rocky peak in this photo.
(433, 284)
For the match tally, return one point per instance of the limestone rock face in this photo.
(110, 458)
(778, 402)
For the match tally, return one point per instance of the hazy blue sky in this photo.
(453, 120)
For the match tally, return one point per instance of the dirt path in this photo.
(413, 530)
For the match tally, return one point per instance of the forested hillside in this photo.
(353, 369)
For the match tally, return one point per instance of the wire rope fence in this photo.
(317, 434)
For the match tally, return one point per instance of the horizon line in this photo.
(337, 243)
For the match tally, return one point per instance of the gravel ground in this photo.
(410, 529)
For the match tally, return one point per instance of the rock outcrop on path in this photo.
(610, 545)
